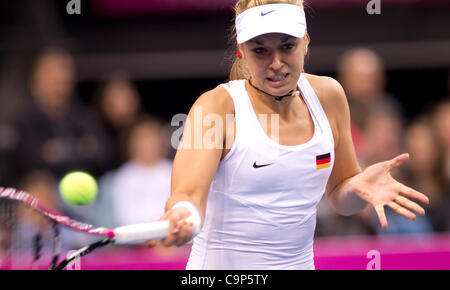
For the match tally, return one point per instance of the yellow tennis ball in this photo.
(78, 188)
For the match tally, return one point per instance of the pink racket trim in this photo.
(15, 194)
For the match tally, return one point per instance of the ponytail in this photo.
(239, 70)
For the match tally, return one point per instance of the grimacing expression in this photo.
(275, 61)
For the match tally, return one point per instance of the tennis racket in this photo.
(125, 235)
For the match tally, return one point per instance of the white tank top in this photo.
(265, 217)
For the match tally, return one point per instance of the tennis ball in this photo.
(78, 188)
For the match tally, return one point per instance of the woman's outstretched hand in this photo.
(376, 186)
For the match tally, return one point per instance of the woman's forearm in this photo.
(192, 198)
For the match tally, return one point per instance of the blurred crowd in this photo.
(380, 132)
(53, 132)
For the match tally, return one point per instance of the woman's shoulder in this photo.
(329, 91)
(217, 100)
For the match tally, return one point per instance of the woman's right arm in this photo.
(198, 155)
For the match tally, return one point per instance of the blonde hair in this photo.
(239, 69)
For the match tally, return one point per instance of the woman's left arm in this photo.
(349, 189)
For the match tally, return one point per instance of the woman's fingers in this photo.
(405, 190)
(379, 209)
(397, 161)
(152, 243)
(185, 233)
(170, 239)
(180, 234)
(384, 190)
(401, 210)
(411, 193)
(403, 201)
(176, 218)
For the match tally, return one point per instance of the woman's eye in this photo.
(259, 50)
(288, 46)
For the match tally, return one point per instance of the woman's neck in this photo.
(284, 107)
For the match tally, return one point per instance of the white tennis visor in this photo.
(271, 18)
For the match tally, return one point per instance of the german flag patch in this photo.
(323, 161)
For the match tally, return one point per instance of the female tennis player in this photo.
(256, 196)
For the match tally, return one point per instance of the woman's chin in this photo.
(280, 91)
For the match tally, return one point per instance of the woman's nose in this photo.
(276, 62)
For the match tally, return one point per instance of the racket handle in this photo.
(140, 233)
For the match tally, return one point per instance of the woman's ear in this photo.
(239, 51)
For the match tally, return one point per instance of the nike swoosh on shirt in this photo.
(262, 165)
(264, 14)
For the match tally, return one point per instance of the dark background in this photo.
(176, 51)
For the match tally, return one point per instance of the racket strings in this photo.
(37, 245)
(83, 251)
(57, 244)
(25, 243)
(8, 225)
(25, 214)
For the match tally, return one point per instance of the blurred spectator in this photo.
(43, 186)
(8, 166)
(56, 132)
(12, 94)
(138, 190)
(381, 137)
(30, 223)
(425, 168)
(382, 140)
(441, 123)
(440, 215)
(119, 105)
(377, 129)
(6, 227)
(425, 171)
(362, 75)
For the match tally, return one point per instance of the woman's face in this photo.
(275, 61)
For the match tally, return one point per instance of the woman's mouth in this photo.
(278, 80)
